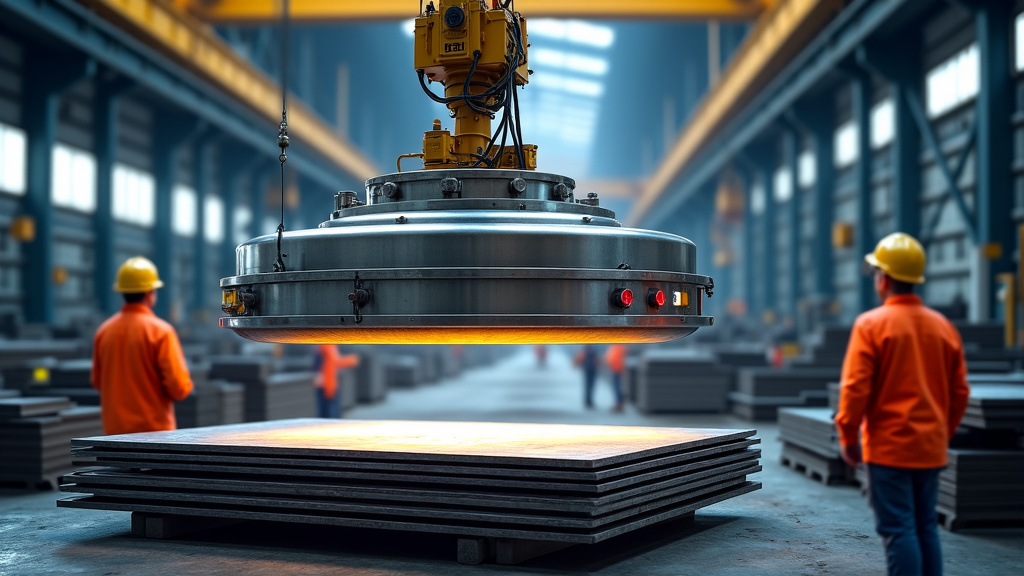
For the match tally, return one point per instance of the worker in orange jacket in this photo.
(326, 364)
(904, 389)
(138, 366)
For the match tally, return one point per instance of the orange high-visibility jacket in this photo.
(139, 369)
(615, 357)
(332, 362)
(904, 385)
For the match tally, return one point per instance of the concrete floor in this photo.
(793, 526)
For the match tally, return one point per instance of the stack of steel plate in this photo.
(346, 389)
(562, 483)
(981, 487)
(985, 348)
(761, 392)
(232, 402)
(833, 396)
(371, 385)
(739, 355)
(826, 347)
(810, 444)
(995, 407)
(35, 438)
(252, 373)
(288, 395)
(682, 380)
(72, 378)
(402, 371)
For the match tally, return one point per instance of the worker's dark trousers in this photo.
(904, 503)
(589, 378)
(328, 407)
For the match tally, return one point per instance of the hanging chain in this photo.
(282, 131)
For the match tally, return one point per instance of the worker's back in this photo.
(915, 358)
(139, 370)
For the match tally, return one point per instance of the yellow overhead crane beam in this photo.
(322, 11)
(194, 45)
(776, 38)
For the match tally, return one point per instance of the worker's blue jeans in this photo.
(328, 407)
(904, 503)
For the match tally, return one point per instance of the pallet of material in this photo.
(36, 450)
(982, 488)
(810, 428)
(815, 466)
(557, 483)
(682, 380)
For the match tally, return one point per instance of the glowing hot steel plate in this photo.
(561, 445)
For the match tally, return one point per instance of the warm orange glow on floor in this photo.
(468, 335)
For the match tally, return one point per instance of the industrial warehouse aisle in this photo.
(792, 526)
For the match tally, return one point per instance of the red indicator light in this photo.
(655, 298)
(623, 298)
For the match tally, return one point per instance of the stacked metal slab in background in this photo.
(985, 347)
(810, 444)
(563, 483)
(268, 396)
(826, 348)
(760, 392)
(682, 380)
(995, 406)
(403, 371)
(371, 383)
(35, 438)
(980, 487)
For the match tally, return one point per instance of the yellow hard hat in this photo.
(900, 256)
(136, 275)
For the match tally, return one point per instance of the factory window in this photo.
(569, 85)
(573, 31)
(569, 61)
(73, 179)
(12, 159)
(953, 82)
(214, 220)
(807, 171)
(757, 199)
(184, 214)
(1019, 42)
(241, 221)
(846, 144)
(783, 185)
(883, 118)
(133, 196)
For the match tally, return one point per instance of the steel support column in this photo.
(747, 180)
(46, 78)
(105, 121)
(170, 133)
(791, 155)
(200, 181)
(234, 161)
(994, 201)
(766, 169)
(862, 96)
